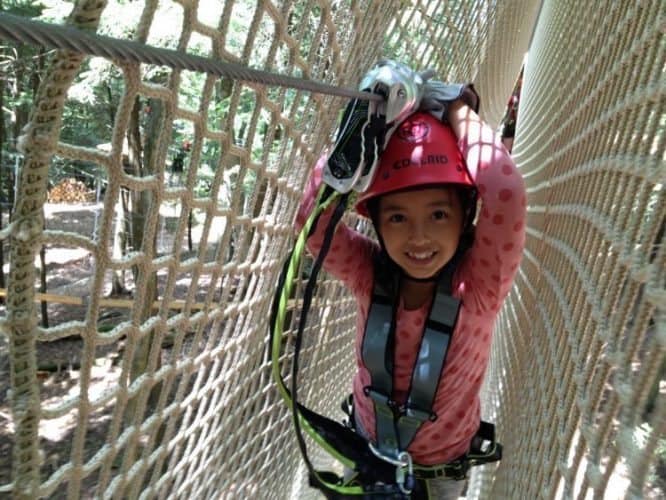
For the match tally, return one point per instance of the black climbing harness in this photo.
(383, 469)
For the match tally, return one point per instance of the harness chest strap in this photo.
(397, 426)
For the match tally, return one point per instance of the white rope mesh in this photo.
(184, 406)
(584, 325)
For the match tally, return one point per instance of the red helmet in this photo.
(422, 151)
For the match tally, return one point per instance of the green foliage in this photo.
(88, 173)
(94, 97)
(24, 8)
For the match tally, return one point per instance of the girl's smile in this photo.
(421, 255)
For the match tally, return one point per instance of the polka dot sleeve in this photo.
(500, 231)
(350, 256)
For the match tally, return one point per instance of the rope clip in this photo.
(401, 87)
(394, 92)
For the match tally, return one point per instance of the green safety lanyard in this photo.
(326, 198)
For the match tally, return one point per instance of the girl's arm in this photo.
(500, 231)
(350, 256)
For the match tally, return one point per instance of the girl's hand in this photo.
(439, 96)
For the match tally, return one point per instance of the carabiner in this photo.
(406, 484)
(401, 463)
(399, 84)
(403, 89)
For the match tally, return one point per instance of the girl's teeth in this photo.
(421, 256)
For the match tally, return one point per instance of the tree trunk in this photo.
(144, 161)
(3, 140)
(190, 245)
(42, 287)
(119, 245)
(111, 108)
(122, 236)
(138, 202)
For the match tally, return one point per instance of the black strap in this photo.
(377, 354)
(307, 300)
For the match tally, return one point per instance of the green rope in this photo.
(321, 204)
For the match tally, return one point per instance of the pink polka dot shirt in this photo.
(482, 281)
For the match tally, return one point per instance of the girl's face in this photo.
(421, 228)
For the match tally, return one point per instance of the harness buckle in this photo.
(417, 414)
(380, 397)
(404, 468)
(405, 483)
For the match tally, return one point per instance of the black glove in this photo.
(437, 96)
(359, 144)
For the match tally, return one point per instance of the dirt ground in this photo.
(68, 273)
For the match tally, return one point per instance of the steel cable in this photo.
(18, 29)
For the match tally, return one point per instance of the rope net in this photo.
(171, 395)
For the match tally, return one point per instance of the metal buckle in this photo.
(403, 463)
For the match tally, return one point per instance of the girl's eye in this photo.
(439, 215)
(397, 218)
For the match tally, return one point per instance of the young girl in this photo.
(422, 203)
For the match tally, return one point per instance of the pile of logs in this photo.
(70, 191)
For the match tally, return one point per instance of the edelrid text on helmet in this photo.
(422, 152)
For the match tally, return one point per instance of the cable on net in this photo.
(18, 29)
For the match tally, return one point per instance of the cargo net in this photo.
(152, 378)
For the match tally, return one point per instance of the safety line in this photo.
(19, 29)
